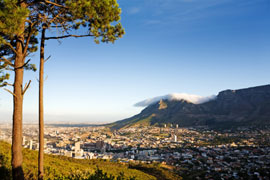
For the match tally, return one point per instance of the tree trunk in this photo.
(41, 109)
(17, 158)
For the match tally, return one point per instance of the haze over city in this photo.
(172, 46)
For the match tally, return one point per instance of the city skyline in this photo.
(173, 46)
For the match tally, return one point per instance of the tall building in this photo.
(23, 141)
(31, 145)
(174, 138)
(78, 152)
(45, 143)
(77, 147)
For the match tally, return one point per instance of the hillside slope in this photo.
(60, 167)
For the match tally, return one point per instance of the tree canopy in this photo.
(12, 17)
(99, 19)
(20, 23)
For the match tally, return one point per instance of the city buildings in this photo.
(203, 152)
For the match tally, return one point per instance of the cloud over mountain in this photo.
(195, 99)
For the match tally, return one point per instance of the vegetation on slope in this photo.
(156, 170)
(60, 167)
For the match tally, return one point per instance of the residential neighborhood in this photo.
(198, 153)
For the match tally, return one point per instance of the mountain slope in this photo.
(250, 106)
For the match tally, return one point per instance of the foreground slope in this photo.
(250, 106)
(60, 167)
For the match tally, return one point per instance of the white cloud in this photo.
(195, 99)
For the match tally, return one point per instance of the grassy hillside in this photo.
(64, 168)
(132, 122)
(60, 167)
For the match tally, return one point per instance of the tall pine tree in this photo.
(17, 41)
(20, 21)
(65, 17)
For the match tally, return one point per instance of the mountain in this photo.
(243, 107)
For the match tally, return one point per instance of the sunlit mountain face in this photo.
(243, 107)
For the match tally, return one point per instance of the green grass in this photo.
(61, 167)
(157, 171)
(143, 122)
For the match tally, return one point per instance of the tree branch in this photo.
(47, 58)
(55, 16)
(5, 83)
(25, 64)
(3, 59)
(26, 87)
(28, 40)
(55, 4)
(9, 69)
(66, 36)
(10, 92)
(11, 47)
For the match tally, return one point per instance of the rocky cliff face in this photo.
(250, 106)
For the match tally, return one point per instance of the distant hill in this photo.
(243, 107)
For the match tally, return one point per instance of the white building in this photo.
(31, 145)
(174, 138)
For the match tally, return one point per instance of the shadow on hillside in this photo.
(17, 173)
(5, 173)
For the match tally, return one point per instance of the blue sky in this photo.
(171, 46)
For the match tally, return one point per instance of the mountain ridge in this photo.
(247, 106)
